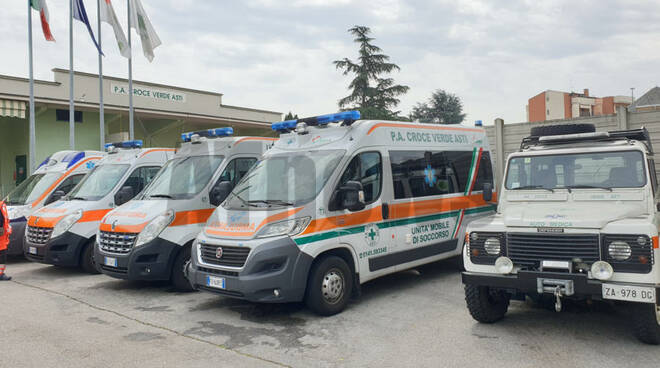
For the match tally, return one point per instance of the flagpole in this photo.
(101, 113)
(130, 76)
(32, 148)
(72, 142)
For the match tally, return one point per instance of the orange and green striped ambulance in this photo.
(339, 201)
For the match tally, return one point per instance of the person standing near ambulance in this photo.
(5, 231)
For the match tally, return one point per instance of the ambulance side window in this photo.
(236, 170)
(66, 186)
(366, 168)
(141, 177)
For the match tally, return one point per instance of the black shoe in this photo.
(4, 277)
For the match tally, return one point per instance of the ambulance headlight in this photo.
(503, 265)
(65, 223)
(154, 228)
(16, 212)
(288, 227)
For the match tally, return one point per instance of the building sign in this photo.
(149, 92)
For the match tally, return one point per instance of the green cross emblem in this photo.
(372, 234)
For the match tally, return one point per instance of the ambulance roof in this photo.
(366, 133)
(226, 146)
(61, 161)
(136, 156)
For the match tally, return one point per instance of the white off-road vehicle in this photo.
(577, 218)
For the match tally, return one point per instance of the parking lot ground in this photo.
(54, 317)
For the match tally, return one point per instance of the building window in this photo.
(585, 111)
(63, 115)
(548, 112)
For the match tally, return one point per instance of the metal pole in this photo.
(130, 76)
(72, 135)
(632, 97)
(32, 143)
(101, 113)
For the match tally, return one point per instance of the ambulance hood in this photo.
(58, 210)
(245, 224)
(590, 215)
(137, 212)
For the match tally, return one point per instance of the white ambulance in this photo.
(337, 202)
(149, 237)
(577, 219)
(53, 179)
(63, 233)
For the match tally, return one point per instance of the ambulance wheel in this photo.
(87, 262)
(329, 286)
(646, 321)
(178, 277)
(485, 305)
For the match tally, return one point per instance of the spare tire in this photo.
(540, 131)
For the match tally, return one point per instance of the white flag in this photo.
(108, 15)
(142, 25)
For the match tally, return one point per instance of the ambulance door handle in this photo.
(386, 211)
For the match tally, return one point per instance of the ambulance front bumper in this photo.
(16, 237)
(275, 272)
(64, 250)
(150, 262)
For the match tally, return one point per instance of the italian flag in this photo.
(40, 6)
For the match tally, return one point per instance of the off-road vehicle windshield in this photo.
(604, 170)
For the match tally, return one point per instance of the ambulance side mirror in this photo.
(56, 196)
(488, 192)
(352, 196)
(657, 206)
(124, 195)
(220, 192)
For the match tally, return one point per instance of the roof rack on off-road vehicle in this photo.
(579, 135)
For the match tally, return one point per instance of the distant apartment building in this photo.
(650, 101)
(552, 105)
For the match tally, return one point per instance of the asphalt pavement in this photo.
(58, 317)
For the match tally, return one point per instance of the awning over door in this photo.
(12, 108)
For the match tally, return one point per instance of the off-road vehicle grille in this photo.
(529, 249)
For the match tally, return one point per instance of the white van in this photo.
(337, 202)
(149, 237)
(577, 219)
(63, 233)
(54, 178)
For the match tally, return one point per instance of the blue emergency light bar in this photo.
(44, 162)
(126, 144)
(346, 116)
(210, 133)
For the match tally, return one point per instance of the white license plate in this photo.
(32, 250)
(215, 282)
(629, 293)
(110, 261)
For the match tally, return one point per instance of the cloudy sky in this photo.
(278, 55)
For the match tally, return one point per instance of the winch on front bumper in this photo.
(563, 285)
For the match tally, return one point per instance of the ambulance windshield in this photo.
(288, 179)
(98, 183)
(29, 190)
(183, 178)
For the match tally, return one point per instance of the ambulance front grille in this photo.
(121, 243)
(39, 235)
(229, 256)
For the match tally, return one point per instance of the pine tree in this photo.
(290, 116)
(371, 92)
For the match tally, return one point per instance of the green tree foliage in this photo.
(374, 94)
(290, 116)
(441, 108)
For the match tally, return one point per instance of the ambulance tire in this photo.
(87, 262)
(329, 286)
(178, 278)
(485, 305)
(646, 322)
(540, 131)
